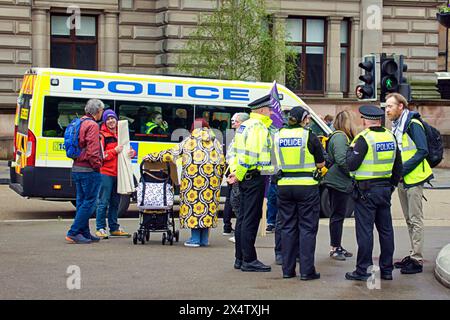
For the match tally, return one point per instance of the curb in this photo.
(4, 180)
(443, 187)
(441, 279)
(442, 269)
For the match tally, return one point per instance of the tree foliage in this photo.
(238, 41)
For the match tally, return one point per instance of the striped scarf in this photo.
(398, 127)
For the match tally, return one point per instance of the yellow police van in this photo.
(50, 98)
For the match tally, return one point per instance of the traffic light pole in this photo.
(383, 119)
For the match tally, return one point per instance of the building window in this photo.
(307, 38)
(73, 48)
(345, 56)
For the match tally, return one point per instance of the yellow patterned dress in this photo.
(203, 163)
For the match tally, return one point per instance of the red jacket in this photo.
(108, 140)
(91, 153)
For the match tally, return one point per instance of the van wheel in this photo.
(124, 204)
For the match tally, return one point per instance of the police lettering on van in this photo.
(154, 90)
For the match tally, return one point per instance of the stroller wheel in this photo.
(147, 236)
(171, 240)
(177, 236)
(164, 238)
(142, 235)
(135, 238)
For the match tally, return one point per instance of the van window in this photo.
(24, 102)
(219, 119)
(60, 111)
(314, 126)
(149, 121)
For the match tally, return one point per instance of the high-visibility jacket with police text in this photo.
(252, 145)
(380, 157)
(293, 156)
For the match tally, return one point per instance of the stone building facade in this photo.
(146, 36)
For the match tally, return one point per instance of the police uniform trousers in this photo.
(298, 207)
(373, 206)
(250, 213)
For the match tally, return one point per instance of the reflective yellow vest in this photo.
(252, 145)
(380, 156)
(423, 170)
(150, 126)
(291, 150)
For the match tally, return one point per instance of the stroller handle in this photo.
(142, 171)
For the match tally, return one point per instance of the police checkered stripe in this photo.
(257, 164)
(296, 178)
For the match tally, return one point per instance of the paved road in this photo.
(14, 207)
(35, 258)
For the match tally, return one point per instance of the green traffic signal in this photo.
(389, 84)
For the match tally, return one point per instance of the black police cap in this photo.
(298, 113)
(371, 112)
(261, 102)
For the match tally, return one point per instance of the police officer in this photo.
(375, 163)
(299, 153)
(157, 125)
(252, 148)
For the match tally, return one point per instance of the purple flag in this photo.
(277, 116)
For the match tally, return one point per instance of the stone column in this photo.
(40, 38)
(111, 42)
(334, 58)
(355, 55)
(371, 26)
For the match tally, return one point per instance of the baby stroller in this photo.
(155, 202)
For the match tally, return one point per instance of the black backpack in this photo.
(435, 144)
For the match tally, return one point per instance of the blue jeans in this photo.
(272, 204)
(87, 186)
(108, 199)
(200, 236)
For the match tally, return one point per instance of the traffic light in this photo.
(391, 76)
(368, 89)
(403, 88)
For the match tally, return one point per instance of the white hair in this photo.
(93, 106)
(241, 117)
